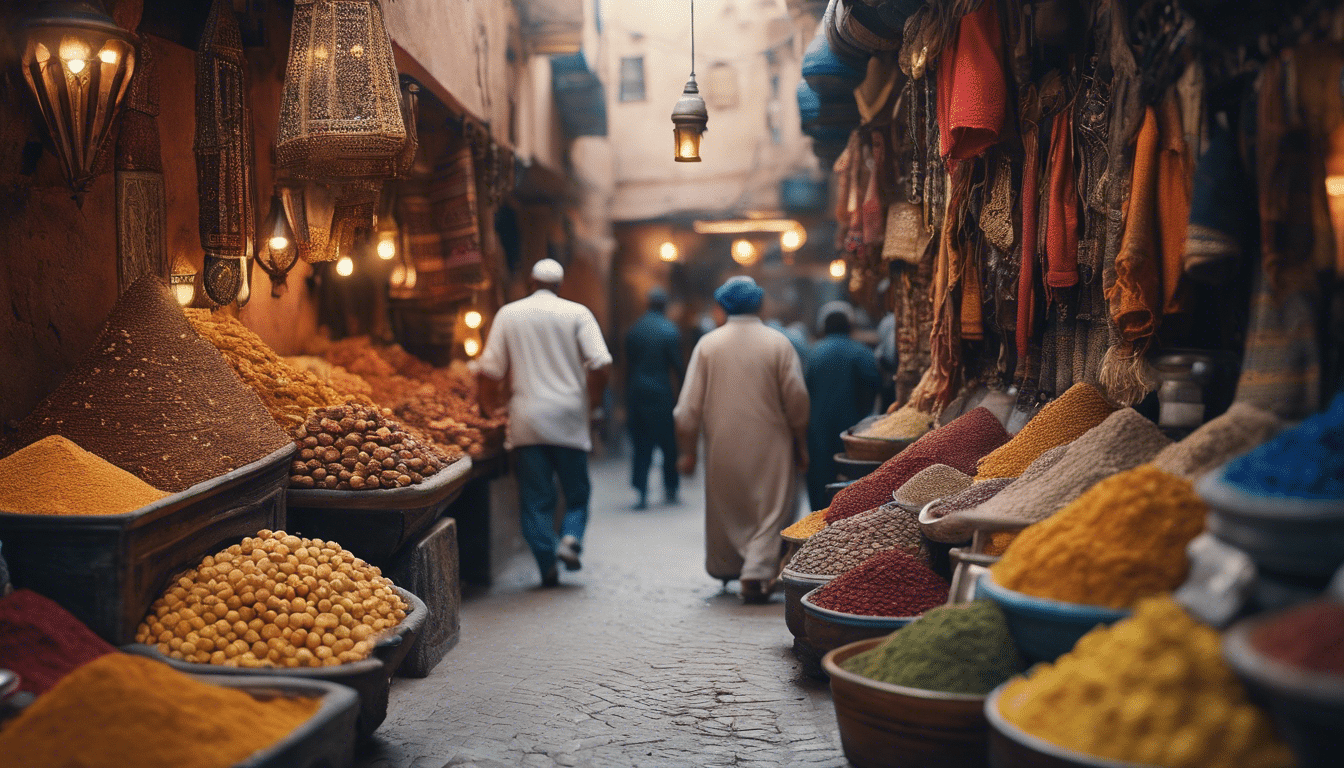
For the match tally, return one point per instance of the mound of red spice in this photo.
(893, 583)
(960, 444)
(1310, 636)
(42, 642)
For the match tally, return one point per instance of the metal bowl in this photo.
(1044, 629)
(1308, 706)
(795, 586)
(1293, 536)
(827, 630)
(884, 725)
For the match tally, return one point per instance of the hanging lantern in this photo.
(341, 109)
(78, 64)
(689, 116)
(278, 253)
(387, 237)
(309, 209)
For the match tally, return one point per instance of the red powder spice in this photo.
(1310, 636)
(960, 443)
(42, 642)
(893, 583)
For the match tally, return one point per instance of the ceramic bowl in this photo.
(827, 630)
(1012, 747)
(1044, 629)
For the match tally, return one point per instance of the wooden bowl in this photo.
(892, 726)
(827, 630)
(1012, 747)
(795, 586)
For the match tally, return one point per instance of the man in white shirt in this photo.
(556, 362)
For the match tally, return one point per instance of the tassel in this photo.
(1125, 376)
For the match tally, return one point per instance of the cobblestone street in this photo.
(637, 660)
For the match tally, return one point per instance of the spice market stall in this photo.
(1108, 233)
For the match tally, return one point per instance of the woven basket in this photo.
(871, 448)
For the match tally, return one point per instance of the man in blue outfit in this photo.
(842, 380)
(652, 358)
(556, 362)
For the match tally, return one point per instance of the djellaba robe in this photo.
(744, 388)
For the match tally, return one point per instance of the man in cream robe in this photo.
(744, 388)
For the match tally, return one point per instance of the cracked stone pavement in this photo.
(639, 660)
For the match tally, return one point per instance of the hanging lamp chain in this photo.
(692, 39)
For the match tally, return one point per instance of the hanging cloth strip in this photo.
(1136, 296)
(1173, 201)
(874, 214)
(1061, 240)
(972, 88)
(1027, 271)
(1217, 210)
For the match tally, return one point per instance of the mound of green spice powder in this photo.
(955, 649)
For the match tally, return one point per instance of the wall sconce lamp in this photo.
(78, 64)
(183, 282)
(278, 253)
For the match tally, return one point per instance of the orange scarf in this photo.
(1136, 297)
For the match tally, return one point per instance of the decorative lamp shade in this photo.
(689, 118)
(78, 64)
(183, 282)
(341, 109)
(277, 253)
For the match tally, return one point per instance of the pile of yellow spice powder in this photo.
(1152, 689)
(53, 476)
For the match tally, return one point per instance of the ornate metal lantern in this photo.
(689, 116)
(341, 112)
(78, 64)
(277, 252)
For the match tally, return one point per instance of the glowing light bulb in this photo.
(792, 239)
(107, 56)
(472, 347)
(357, 50)
(1334, 186)
(279, 243)
(744, 252)
(387, 248)
(345, 266)
(398, 277)
(473, 319)
(73, 49)
(667, 252)
(75, 66)
(838, 268)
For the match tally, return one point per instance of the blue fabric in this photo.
(652, 356)
(739, 295)
(828, 73)
(538, 467)
(842, 381)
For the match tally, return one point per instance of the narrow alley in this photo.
(637, 660)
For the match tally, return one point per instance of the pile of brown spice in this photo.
(360, 448)
(56, 477)
(157, 400)
(288, 392)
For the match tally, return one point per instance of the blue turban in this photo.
(739, 296)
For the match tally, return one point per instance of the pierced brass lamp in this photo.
(78, 64)
(689, 116)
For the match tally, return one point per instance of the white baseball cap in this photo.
(548, 271)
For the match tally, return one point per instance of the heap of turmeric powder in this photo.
(1152, 689)
(1121, 541)
(807, 526)
(122, 710)
(53, 476)
(1061, 421)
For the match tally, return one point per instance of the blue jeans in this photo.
(538, 467)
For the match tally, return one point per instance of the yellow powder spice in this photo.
(122, 710)
(1061, 421)
(1152, 689)
(906, 423)
(287, 391)
(1121, 541)
(808, 525)
(53, 476)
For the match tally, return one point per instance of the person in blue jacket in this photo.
(653, 358)
(843, 382)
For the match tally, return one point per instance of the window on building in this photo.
(632, 78)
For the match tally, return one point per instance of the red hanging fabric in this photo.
(972, 87)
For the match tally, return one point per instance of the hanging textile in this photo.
(1218, 210)
(223, 155)
(874, 214)
(452, 196)
(1026, 309)
(1061, 239)
(142, 219)
(972, 87)
(1173, 201)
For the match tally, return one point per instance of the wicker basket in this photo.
(871, 448)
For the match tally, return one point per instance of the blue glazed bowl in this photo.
(1044, 629)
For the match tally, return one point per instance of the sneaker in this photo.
(551, 578)
(568, 553)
